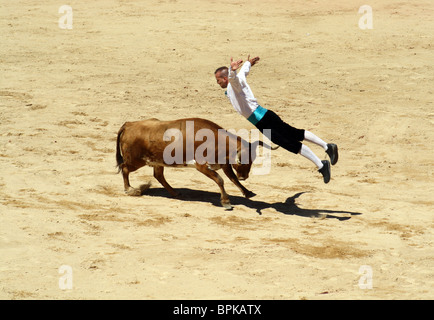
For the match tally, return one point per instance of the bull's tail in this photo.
(119, 158)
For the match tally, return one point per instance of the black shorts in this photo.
(282, 133)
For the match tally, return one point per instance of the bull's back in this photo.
(142, 138)
(143, 141)
(157, 128)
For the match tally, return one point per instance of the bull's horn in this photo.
(238, 159)
(263, 144)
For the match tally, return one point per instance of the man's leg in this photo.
(309, 136)
(323, 166)
(330, 148)
(306, 152)
(289, 138)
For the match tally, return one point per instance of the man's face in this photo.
(222, 81)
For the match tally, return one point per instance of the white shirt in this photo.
(239, 92)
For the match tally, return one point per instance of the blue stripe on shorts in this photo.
(257, 115)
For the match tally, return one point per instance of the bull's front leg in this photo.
(227, 169)
(224, 199)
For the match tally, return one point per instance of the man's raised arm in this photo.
(253, 60)
(246, 66)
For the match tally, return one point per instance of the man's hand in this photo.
(253, 60)
(235, 64)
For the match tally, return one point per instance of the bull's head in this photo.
(246, 155)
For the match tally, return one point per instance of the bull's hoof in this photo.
(227, 205)
(250, 194)
(144, 187)
(134, 192)
(176, 195)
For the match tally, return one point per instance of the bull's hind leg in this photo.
(159, 175)
(129, 190)
(224, 200)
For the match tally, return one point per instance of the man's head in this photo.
(221, 75)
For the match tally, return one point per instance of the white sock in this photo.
(307, 153)
(309, 136)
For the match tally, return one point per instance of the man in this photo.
(233, 79)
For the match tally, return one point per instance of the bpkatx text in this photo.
(238, 309)
(222, 309)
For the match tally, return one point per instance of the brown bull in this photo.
(180, 143)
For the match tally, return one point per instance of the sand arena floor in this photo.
(65, 93)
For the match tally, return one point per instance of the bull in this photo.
(153, 142)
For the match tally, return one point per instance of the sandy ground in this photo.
(65, 93)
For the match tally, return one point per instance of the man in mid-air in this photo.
(233, 79)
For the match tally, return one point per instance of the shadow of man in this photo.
(289, 207)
